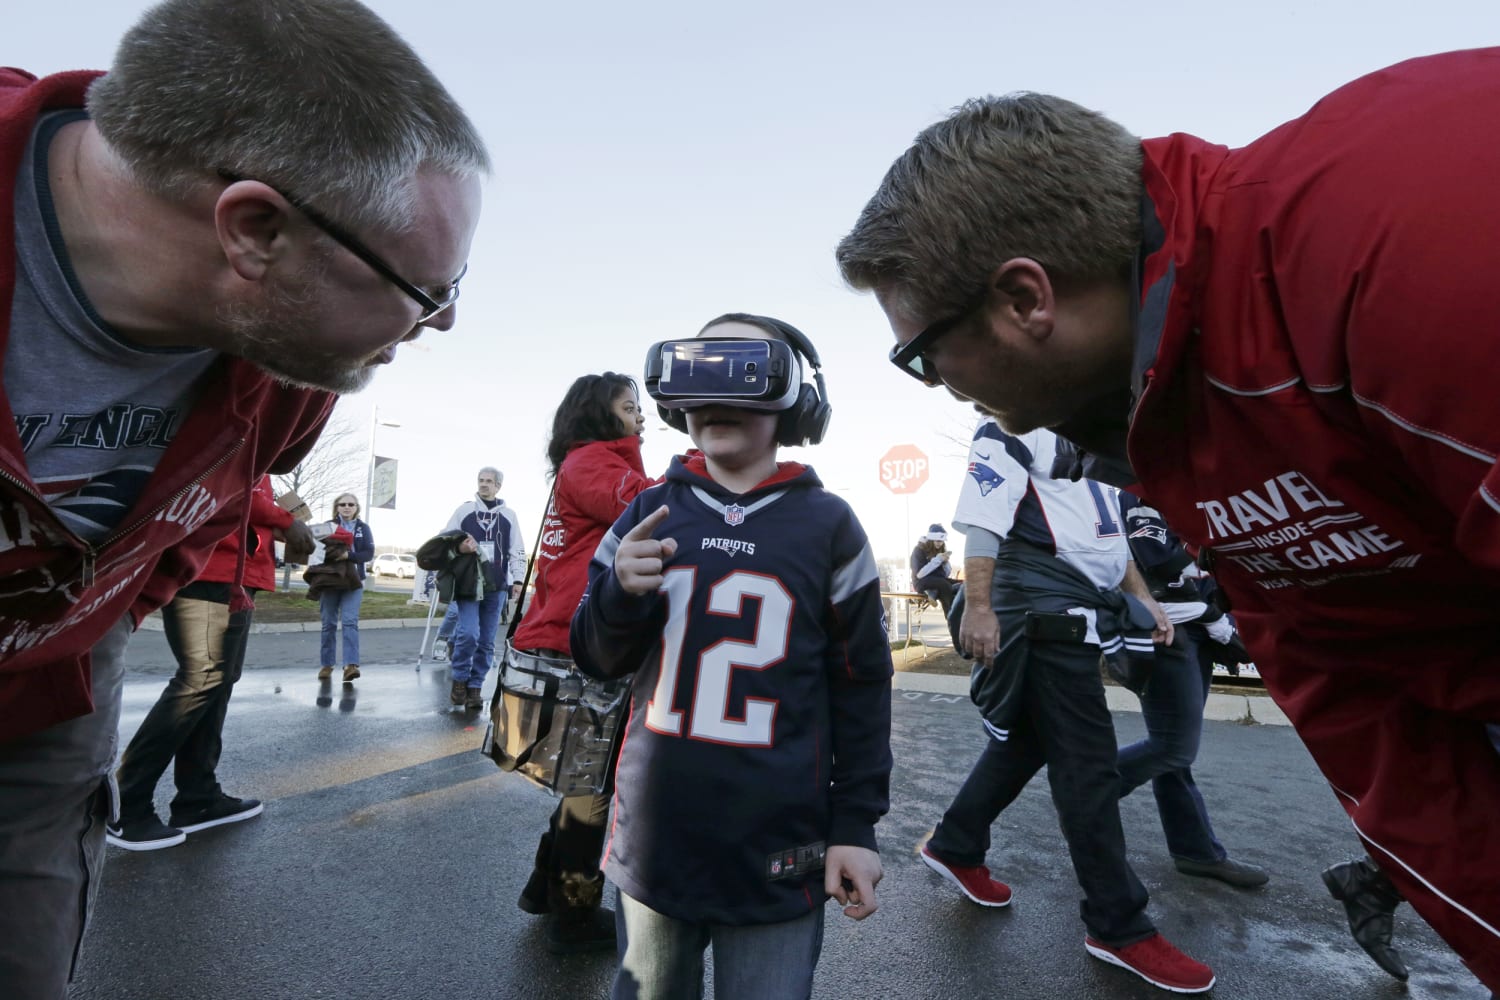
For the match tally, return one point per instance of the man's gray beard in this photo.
(267, 334)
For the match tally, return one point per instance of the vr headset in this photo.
(763, 375)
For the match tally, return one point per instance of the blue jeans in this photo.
(186, 724)
(474, 641)
(450, 622)
(662, 958)
(54, 801)
(340, 608)
(1172, 706)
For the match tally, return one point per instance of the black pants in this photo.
(187, 721)
(1064, 724)
(940, 588)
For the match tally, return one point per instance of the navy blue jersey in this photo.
(759, 727)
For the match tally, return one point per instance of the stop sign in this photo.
(903, 469)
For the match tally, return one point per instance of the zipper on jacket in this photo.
(91, 552)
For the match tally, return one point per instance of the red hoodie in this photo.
(59, 594)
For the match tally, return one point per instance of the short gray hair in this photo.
(499, 476)
(1025, 175)
(320, 98)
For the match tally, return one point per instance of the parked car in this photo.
(403, 567)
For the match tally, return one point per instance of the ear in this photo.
(1024, 297)
(252, 222)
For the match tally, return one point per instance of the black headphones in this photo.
(806, 421)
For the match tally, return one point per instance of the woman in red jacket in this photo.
(595, 452)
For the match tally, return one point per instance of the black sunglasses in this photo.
(911, 357)
(431, 305)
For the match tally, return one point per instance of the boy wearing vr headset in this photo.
(757, 757)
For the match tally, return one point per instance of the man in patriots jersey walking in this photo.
(1043, 559)
(757, 757)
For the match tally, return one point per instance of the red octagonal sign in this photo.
(903, 469)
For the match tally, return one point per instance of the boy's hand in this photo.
(639, 559)
(860, 867)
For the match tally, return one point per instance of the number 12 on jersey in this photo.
(709, 718)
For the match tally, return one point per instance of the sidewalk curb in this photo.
(153, 624)
(1245, 709)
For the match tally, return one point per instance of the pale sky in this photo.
(657, 164)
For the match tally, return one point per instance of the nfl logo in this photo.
(776, 867)
(734, 515)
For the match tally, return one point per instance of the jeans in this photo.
(450, 622)
(1172, 705)
(340, 608)
(187, 722)
(473, 646)
(54, 802)
(662, 958)
(1065, 724)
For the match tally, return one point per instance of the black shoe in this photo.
(149, 834)
(533, 897)
(225, 809)
(458, 692)
(473, 699)
(1370, 901)
(575, 929)
(1239, 874)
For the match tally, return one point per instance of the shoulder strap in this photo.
(515, 619)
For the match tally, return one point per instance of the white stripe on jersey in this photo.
(1083, 518)
(855, 573)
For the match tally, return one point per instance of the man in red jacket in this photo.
(246, 214)
(187, 722)
(1291, 346)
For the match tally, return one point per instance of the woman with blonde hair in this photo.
(340, 608)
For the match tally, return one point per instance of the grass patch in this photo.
(293, 606)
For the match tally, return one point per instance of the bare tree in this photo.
(335, 465)
(958, 430)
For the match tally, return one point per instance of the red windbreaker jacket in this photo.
(596, 483)
(58, 593)
(1319, 345)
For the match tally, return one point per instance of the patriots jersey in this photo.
(1009, 490)
(759, 726)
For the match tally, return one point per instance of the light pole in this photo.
(375, 422)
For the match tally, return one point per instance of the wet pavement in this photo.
(390, 854)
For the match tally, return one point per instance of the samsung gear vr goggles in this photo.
(751, 374)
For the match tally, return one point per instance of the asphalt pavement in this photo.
(390, 854)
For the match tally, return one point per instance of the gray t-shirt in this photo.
(94, 411)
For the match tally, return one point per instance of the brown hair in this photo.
(320, 98)
(1025, 175)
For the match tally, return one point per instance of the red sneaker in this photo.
(974, 882)
(1158, 962)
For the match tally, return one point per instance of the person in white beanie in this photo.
(930, 572)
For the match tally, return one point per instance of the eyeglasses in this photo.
(911, 357)
(348, 505)
(431, 305)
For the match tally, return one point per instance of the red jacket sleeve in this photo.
(602, 490)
